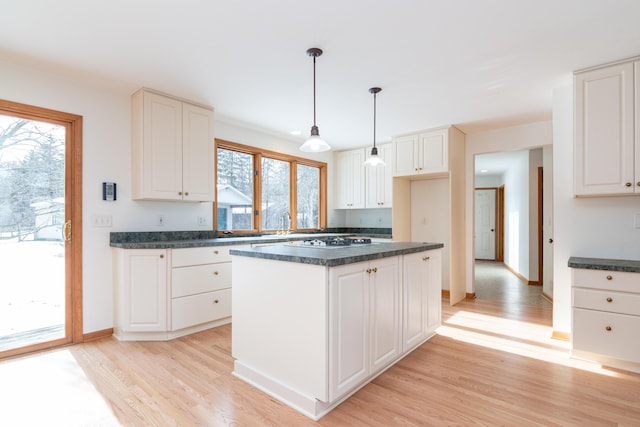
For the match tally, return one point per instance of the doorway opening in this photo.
(40, 201)
(508, 214)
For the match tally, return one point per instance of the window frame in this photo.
(294, 161)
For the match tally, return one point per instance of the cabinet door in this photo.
(414, 279)
(379, 180)
(197, 153)
(348, 328)
(162, 148)
(350, 179)
(403, 162)
(385, 306)
(434, 289)
(433, 152)
(604, 131)
(144, 299)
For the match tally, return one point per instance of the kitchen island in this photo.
(312, 325)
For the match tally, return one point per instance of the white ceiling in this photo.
(478, 64)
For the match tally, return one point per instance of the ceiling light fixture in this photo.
(314, 144)
(374, 159)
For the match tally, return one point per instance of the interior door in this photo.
(485, 224)
(40, 228)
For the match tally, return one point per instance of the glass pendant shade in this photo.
(315, 144)
(374, 160)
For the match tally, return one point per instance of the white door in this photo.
(485, 224)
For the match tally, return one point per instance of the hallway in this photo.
(494, 282)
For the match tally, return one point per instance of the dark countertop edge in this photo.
(226, 241)
(632, 266)
(340, 260)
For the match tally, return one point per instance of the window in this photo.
(259, 190)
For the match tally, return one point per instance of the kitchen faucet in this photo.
(288, 229)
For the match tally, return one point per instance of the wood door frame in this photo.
(500, 224)
(73, 212)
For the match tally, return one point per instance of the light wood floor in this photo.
(489, 365)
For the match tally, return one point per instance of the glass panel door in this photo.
(33, 293)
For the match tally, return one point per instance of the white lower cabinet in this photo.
(364, 316)
(162, 294)
(421, 278)
(141, 291)
(606, 317)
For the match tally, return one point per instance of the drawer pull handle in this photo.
(215, 301)
(215, 273)
(609, 277)
(609, 299)
(426, 258)
(608, 328)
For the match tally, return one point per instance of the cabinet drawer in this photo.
(200, 278)
(615, 302)
(606, 279)
(590, 334)
(196, 309)
(197, 256)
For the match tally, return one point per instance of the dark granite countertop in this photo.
(195, 239)
(334, 256)
(632, 266)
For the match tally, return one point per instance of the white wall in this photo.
(599, 227)
(368, 218)
(488, 181)
(516, 212)
(106, 110)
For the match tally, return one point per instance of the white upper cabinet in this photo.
(350, 179)
(172, 149)
(607, 154)
(379, 180)
(421, 153)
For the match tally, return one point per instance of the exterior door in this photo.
(485, 224)
(40, 228)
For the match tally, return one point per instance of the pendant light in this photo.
(314, 144)
(374, 159)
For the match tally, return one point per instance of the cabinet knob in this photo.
(609, 299)
(186, 193)
(215, 301)
(161, 256)
(608, 328)
(609, 277)
(215, 252)
(375, 269)
(179, 193)
(215, 273)
(628, 184)
(638, 183)
(368, 270)
(426, 258)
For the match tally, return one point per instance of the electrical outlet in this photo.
(202, 220)
(160, 219)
